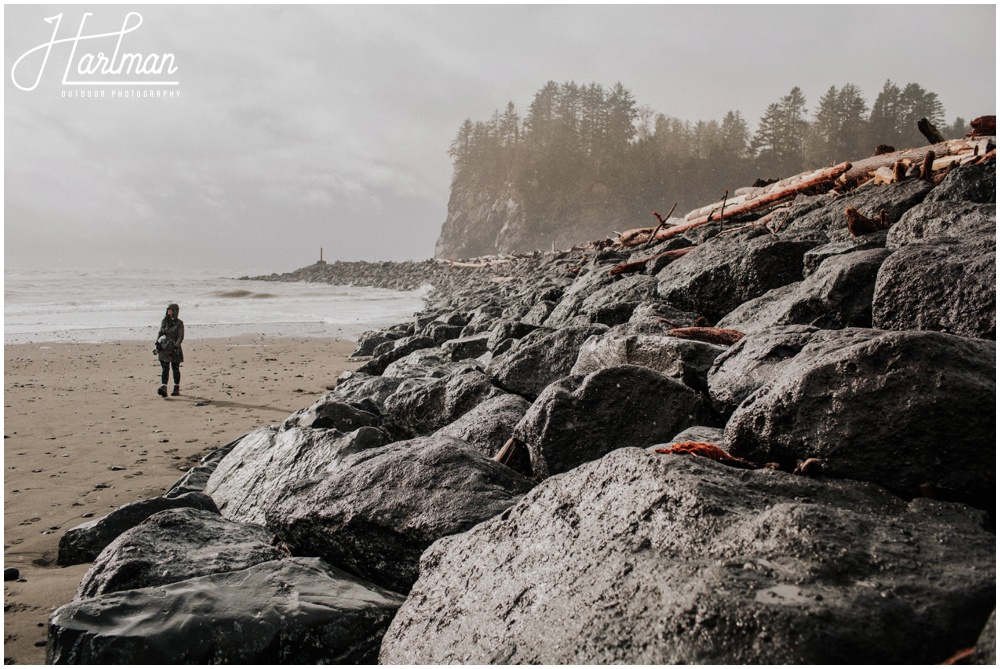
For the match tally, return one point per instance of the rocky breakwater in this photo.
(774, 447)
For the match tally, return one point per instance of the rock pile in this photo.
(487, 488)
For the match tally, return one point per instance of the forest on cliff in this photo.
(586, 159)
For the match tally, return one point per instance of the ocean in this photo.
(67, 305)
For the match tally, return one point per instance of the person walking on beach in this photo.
(168, 349)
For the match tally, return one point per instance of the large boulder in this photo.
(815, 257)
(757, 358)
(837, 295)
(381, 509)
(986, 647)
(267, 459)
(906, 410)
(686, 360)
(540, 358)
(895, 199)
(420, 410)
(659, 559)
(581, 418)
(355, 387)
(292, 611)
(613, 304)
(973, 183)
(947, 284)
(328, 413)
(85, 542)
(490, 424)
(726, 271)
(391, 351)
(173, 546)
(569, 306)
(942, 219)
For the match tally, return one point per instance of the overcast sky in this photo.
(298, 127)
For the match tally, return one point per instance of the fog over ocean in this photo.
(66, 305)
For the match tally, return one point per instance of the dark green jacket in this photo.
(173, 330)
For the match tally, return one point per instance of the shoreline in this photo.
(82, 415)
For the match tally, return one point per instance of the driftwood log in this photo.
(773, 194)
(708, 450)
(858, 224)
(928, 130)
(722, 336)
(984, 125)
(515, 455)
(640, 265)
(863, 169)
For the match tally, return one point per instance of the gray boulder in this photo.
(726, 271)
(569, 307)
(84, 543)
(613, 304)
(895, 199)
(581, 418)
(947, 284)
(901, 409)
(173, 546)
(700, 433)
(464, 348)
(757, 358)
(837, 295)
(357, 386)
(942, 219)
(974, 183)
(490, 424)
(390, 352)
(420, 410)
(425, 364)
(267, 459)
(986, 647)
(540, 358)
(538, 312)
(328, 412)
(658, 559)
(442, 332)
(686, 360)
(505, 329)
(814, 257)
(292, 611)
(371, 339)
(657, 318)
(381, 509)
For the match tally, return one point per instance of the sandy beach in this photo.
(85, 432)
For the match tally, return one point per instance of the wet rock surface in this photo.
(381, 509)
(173, 546)
(292, 611)
(494, 457)
(661, 559)
(85, 542)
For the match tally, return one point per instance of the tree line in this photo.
(586, 150)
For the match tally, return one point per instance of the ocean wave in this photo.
(238, 294)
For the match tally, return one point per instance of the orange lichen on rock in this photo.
(706, 450)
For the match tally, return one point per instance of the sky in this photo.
(293, 128)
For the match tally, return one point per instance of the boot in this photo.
(177, 391)
(162, 391)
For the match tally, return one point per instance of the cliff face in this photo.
(481, 221)
(485, 220)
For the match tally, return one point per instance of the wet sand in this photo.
(85, 432)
